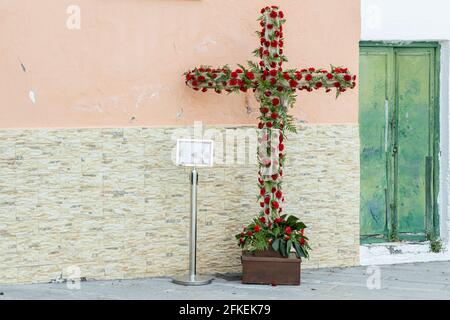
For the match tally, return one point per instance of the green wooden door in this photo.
(398, 142)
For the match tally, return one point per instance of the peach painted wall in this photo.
(124, 66)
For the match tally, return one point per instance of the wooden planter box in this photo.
(269, 267)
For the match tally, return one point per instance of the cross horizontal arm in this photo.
(224, 79)
(221, 79)
(312, 79)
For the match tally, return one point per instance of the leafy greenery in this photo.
(284, 234)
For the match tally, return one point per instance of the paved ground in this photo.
(404, 281)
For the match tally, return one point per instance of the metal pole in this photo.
(192, 279)
(193, 236)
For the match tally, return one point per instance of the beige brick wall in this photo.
(111, 202)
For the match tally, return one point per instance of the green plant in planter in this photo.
(281, 235)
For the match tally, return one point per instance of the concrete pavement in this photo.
(429, 280)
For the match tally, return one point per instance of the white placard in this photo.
(195, 153)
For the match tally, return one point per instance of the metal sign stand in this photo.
(192, 279)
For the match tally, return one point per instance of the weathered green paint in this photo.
(399, 142)
(375, 65)
(413, 97)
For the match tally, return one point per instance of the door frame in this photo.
(432, 213)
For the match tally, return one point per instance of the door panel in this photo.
(413, 85)
(375, 65)
(399, 141)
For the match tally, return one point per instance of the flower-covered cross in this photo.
(275, 90)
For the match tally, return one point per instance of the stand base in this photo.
(188, 280)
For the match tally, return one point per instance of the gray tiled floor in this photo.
(405, 281)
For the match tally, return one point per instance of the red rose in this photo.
(243, 89)
(260, 125)
(278, 220)
(234, 74)
(286, 76)
(262, 219)
(257, 228)
(204, 90)
(319, 85)
(281, 14)
(273, 81)
(274, 177)
(281, 147)
(278, 194)
(250, 233)
(330, 76)
(337, 84)
(288, 230)
(293, 84)
(261, 204)
(311, 69)
(274, 43)
(263, 10)
(241, 240)
(270, 26)
(250, 75)
(267, 200)
(188, 77)
(274, 189)
(267, 211)
(308, 77)
(275, 101)
(269, 124)
(267, 93)
(273, 15)
(348, 77)
(233, 82)
(264, 110)
(239, 71)
(275, 204)
(298, 76)
(262, 64)
(273, 72)
(274, 116)
(263, 191)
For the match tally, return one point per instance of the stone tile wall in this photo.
(112, 203)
